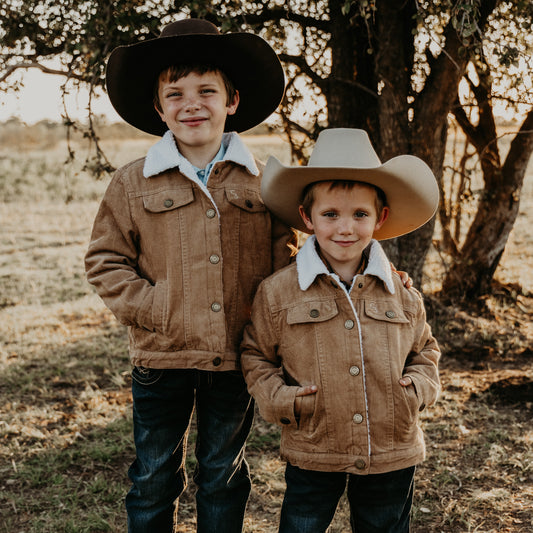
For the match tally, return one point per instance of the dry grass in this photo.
(65, 425)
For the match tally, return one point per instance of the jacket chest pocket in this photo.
(303, 320)
(387, 329)
(168, 200)
(312, 312)
(386, 312)
(248, 200)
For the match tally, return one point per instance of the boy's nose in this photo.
(346, 226)
(192, 103)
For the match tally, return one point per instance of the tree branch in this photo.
(277, 14)
(301, 63)
(521, 146)
(42, 68)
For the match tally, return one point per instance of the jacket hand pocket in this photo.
(306, 408)
(159, 306)
(411, 401)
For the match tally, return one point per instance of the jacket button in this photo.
(169, 202)
(360, 285)
(249, 204)
(357, 418)
(354, 370)
(360, 464)
(390, 314)
(285, 420)
(217, 361)
(214, 259)
(216, 307)
(314, 313)
(349, 324)
(210, 213)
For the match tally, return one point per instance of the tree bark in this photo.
(472, 272)
(402, 130)
(351, 90)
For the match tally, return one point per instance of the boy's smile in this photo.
(195, 108)
(344, 221)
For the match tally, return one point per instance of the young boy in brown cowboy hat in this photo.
(179, 245)
(338, 352)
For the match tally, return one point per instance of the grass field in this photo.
(65, 423)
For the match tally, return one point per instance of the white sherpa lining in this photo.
(309, 265)
(165, 155)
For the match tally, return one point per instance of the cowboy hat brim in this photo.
(408, 183)
(248, 60)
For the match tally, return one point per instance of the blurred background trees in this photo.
(406, 72)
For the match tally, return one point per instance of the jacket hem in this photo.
(193, 359)
(355, 464)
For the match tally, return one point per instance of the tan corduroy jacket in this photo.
(307, 329)
(179, 262)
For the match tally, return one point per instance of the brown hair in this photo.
(308, 195)
(175, 72)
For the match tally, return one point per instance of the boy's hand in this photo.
(406, 280)
(303, 391)
(406, 381)
(404, 276)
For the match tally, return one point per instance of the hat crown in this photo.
(344, 148)
(188, 27)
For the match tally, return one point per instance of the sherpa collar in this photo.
(309, 265)
(165, 155)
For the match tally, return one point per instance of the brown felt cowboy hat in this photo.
(346, 154)
(248, 60)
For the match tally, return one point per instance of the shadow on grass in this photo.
(76, 489)
(66, 437)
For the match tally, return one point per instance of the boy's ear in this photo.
(159, 112)
(232, 108)
(307, 221)
(382, 218)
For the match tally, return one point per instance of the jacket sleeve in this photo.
(261, 365)
(422, 363)
(111, 261)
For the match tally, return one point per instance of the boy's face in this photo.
(195, 108)
(344, 221)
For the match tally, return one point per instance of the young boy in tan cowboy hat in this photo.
(179, 245)
(338, 352)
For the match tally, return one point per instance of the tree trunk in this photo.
(352, 89)
(471, 274)
(401, 130)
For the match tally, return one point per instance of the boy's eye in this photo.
(361, 214)
(207, 91)
(330, 214)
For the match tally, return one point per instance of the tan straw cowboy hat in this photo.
(248, 60)
(347, 154)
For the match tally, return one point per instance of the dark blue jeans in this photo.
(379, 503)
(163, 404)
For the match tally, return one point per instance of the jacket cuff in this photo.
(284, 407)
